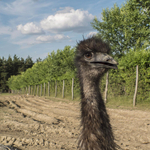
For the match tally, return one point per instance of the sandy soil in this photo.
(35, 123)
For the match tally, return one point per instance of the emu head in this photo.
(92, 58)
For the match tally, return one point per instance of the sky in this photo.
(38, 27)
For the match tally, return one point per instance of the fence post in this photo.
(136, 86)
(63, 88)
(34, 90)
(106, 88)
(48, 90)
(72, 88)
(41, 90)
(56, 88)
(26, 90)
(29, 90)
(44, 88)
(37, 90)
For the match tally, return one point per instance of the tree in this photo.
(11, 67)
(28, 62)
(15, 65)
(4, 75)
(38, 59)
(9, 64)
(1, 62)
(126, 27)
(21, 66)
(57, 66)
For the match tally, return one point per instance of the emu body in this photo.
(92, 61)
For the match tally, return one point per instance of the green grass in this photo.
(5, 94)
(124, 102)
(119, 102)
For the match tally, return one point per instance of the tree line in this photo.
(56, 66)
(127, 30)
(12, 66)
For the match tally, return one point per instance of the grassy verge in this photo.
(119, 102)
(124, 102)
(5, 94)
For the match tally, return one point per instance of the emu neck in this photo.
(96, 129)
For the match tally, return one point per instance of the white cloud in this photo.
(30, 41)
(27, 42)
(49, 38)
(68, 19)
(91, 34)
(30, 28)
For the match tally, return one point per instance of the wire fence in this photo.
(68, 89)
(112, 91)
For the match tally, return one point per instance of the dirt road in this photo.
(35, 123)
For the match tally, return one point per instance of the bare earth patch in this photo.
(35, 123)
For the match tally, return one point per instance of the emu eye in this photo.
(88, 55)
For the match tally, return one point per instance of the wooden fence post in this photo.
(56, 88)
(29, 89)
(63, 88)
(136, 86)
(34, 90)
(44, 89)
(72, 88)
(41, 90)
(106, 88)
(48, 90)
(37, 90)
(26, 89)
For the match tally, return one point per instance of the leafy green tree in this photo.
(126, 27)
(11, 67)
(124, 78)
(56, 66)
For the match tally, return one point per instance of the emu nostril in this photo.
(109, 59)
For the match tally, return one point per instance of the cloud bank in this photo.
(65, 20)
(50, 38)
(68, 19)
(30, 28)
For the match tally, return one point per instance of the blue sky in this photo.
(37, 27)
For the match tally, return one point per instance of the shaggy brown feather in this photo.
(96, 131)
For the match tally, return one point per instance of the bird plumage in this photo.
(92, 61)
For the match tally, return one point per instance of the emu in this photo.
(92, 62)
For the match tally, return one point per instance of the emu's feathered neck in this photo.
(96, 129)
(92, 61)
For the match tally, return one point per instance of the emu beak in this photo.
(104, 61)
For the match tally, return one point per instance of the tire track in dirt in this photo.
(35, 123)
(57, 132)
